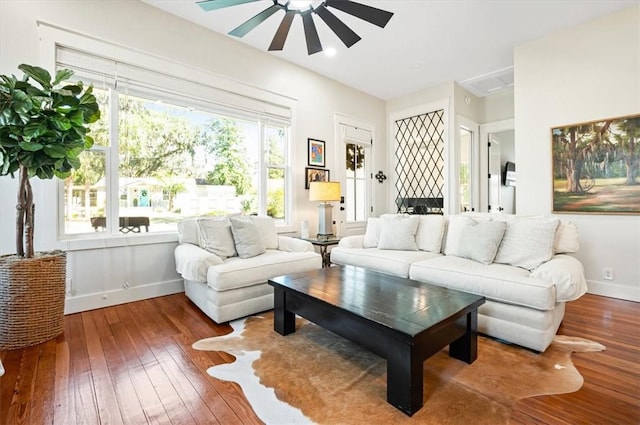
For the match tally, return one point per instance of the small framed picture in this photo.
(316, 153)
(315, 175)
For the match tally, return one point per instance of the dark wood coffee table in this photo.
(401, 320)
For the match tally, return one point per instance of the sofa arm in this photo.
(289, 244)
(193, 262)
(355, 241)
(566, 273)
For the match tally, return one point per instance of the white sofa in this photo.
(219, 281)
(520, 264)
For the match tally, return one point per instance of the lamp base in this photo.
(325, 222)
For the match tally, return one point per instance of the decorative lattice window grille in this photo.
(420, 163)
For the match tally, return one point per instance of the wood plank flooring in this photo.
(133, 364)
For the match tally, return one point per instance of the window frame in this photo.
(52, 38)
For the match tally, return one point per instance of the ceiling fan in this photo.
(306, 10)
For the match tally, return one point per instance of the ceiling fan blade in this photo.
(346, 35)
(283, 30)
(370, 14)
(250, 24)
(220, 4)
(311, 34)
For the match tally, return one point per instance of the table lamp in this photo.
(324, 192)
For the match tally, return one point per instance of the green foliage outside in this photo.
(227, 146)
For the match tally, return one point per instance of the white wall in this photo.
(585, 73)
(149, 268)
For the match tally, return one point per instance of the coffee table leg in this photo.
(465, 348)
(284, 321)
(404, 379)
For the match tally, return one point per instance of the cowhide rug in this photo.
(314, 376)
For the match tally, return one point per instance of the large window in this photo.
(161, 155)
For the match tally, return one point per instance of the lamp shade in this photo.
(324, 191)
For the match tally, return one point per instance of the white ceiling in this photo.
(427, 42)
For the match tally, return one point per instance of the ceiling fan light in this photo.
(300, 4)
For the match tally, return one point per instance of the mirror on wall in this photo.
(502, 172)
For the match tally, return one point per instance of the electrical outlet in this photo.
(607, 273)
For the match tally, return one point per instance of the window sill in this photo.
(101, 241)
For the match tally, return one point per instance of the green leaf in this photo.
(76, 118)
(21, 104)
(88, 142)
(30, 146)
(55, 151)
(61, 123)
(41, 75)
(34, 129)
(75, 89)
(62, 75)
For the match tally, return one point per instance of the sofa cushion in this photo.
(372, 233)
(247, 237)
(238, 272)
(527, 242)
(386, 261)
(430, 232)
(497, 282)
(267, 227)
(566, 239)
(455, 233)
(188, 231)
(398, 232)
(215, 236)
(481, 241)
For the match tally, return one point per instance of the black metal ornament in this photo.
(380, 176)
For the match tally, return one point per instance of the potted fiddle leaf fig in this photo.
(44, 123)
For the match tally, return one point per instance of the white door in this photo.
(354, 159)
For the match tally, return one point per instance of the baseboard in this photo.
(77, 304)
(614, 290)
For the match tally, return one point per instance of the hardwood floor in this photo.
(133, 364)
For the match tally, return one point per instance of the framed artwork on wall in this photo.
(596, 166)
(315, 175)
(316, 154)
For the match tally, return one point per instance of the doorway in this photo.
(497, 152)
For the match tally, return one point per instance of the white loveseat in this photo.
(223, 284)
(520, 264)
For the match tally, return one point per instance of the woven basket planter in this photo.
(32, 294)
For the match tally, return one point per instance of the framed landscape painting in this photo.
(596, 166)
(316, 153)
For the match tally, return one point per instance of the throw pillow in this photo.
(455, 233)
(430, 231)
(372, 234)
(527, 242)
(481, 240)
(188, 231)
(247, 238)
(399, 232)
(267, 228)
(215, 236)
(566, 238)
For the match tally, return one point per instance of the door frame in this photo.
(342, 229)
(485, 131)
